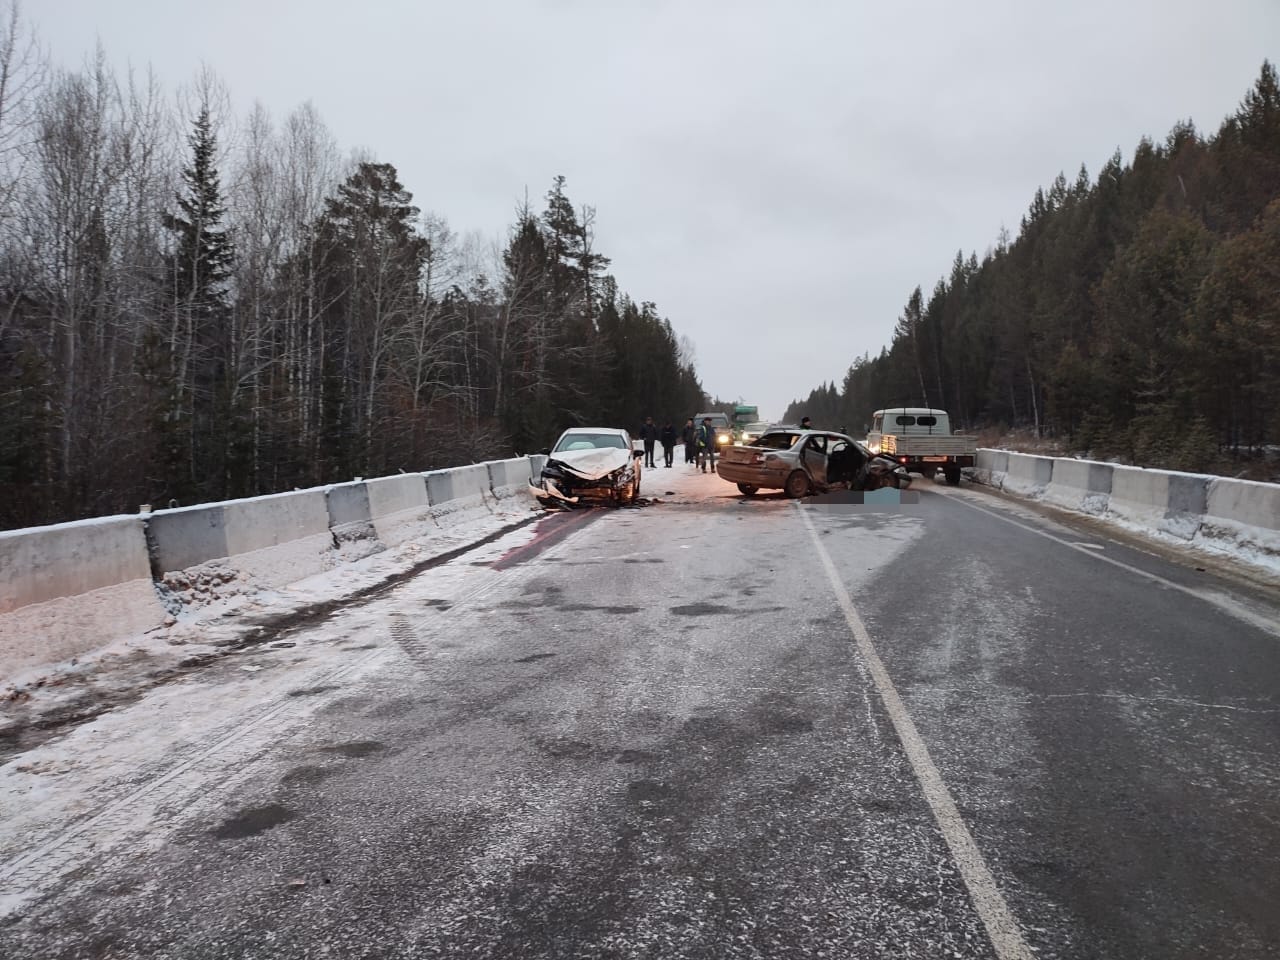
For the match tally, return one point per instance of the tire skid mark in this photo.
(198, 770)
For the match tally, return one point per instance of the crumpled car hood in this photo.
(592, 464)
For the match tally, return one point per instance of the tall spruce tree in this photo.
(196, 428)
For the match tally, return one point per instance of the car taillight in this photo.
(902, 459)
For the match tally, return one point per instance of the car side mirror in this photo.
(637, 454)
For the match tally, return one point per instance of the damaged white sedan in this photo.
(590, 466)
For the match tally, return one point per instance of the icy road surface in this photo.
(708, 728)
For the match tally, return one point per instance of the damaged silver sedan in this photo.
(800, 462)
(590, 466)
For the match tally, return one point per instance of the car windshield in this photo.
(778, 440)
(591, 441)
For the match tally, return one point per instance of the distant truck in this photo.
(743, 414)
(920, 439)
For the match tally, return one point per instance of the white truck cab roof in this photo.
(917, 421)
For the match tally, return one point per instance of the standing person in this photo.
(706, 446)
(690, 437)
(649, 434)
(806, 423)
(668, 443)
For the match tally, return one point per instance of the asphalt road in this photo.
(708, 728)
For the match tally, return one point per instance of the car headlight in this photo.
(722, 438)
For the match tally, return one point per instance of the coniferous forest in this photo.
(1136, 315)
(198, 307)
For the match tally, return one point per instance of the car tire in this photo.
(797, 485)
(748, 489)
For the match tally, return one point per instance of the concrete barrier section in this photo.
(70, 588)
(1083, 485)
(274, 540)
(459, 494)
(1244, 512)
(1188, 497)
(536, 462)
(509, 479)
(399, 506)
(1138, 497)
(349, 517)
(1028, 476)
(990, 467)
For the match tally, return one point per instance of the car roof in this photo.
(911, 411)
(618, 431)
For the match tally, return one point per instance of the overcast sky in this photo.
(776, 176)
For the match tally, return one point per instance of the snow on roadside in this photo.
(213, 610)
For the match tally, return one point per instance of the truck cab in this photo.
(920, 439)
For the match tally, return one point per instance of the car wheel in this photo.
(797, 485)
(748, 489)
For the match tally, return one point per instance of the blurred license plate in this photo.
(934, 459)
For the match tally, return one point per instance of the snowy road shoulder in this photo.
(39, 703)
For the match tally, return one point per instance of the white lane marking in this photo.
(1223, 603)
(1006, 937)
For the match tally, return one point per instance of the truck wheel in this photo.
(953, 476)
(748, 489)
(797, 485)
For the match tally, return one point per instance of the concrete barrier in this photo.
(509, 479)
(350, 519)
(400, 508)
(69, 588)
(990, 467)
(1028, 476)
(459, 494)
(1245, 513)
(274, 540)
(1184, 510)
(536, 462)
(1239, 517)
(1138, 497)
(1083, 485)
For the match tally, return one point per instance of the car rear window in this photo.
(776, 441)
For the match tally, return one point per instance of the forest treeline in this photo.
(1134, 316)
(196, 308)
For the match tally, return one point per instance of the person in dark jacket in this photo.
(690, 437)
(649, 434)
(668, 438)
(706, 446)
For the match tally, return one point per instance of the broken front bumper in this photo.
(571, 492)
